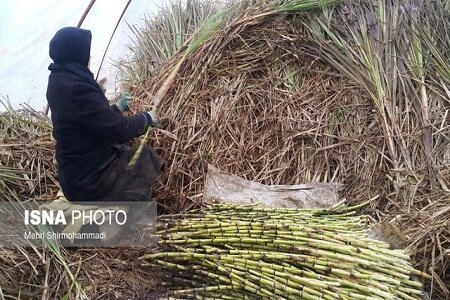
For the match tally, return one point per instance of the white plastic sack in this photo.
(224, 187)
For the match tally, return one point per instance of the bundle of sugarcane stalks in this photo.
(245, 252)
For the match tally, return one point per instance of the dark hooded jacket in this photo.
(85, 126)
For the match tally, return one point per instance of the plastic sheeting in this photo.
(228, 188)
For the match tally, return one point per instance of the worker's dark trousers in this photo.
(120, 183)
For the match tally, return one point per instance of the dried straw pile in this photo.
(251, 102)
(356, 93)
(27, 171)
(27, 166)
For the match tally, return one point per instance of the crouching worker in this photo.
(91, 136)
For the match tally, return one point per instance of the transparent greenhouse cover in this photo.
(26, 27)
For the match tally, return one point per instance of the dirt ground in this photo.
(114, 273)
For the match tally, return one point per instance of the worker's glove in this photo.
(122, 104)
(152, 118)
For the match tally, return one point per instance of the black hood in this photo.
(71, 45)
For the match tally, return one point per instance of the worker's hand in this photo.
(102, 83)
(153, 118)
(122, 104)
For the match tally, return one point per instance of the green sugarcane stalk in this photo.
(330, 286)
(202, 289)
(261, 282)
(248, 285)
(289, 280)
(321, 285)
(233, 259)
(138, 152)
(257, 225)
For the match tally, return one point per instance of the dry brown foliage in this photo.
(260, 108)
(27, 166)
